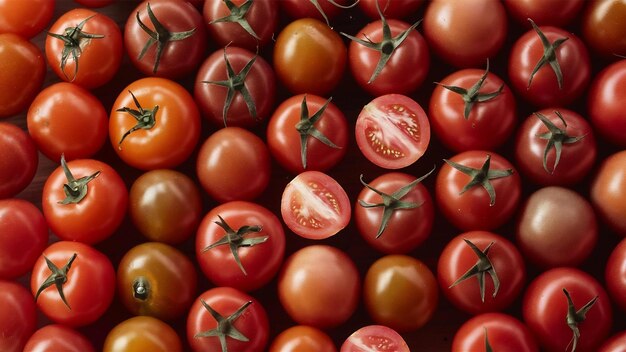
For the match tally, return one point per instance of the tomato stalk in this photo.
(238, 15)
(141, 288)
(488, 347)
(75, 189)
(548, 57)
(574, 317)
(225, 325)
(556, 138)
(483, 266)
(146, 119)
(58, 277)
(321, 11)
(306, 128)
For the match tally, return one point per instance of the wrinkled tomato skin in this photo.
(19, 316)
(603, 27)
(142, 333)
(606, 105)
(302, 338)
(18, 160)
(608, 192)
(25, 18)
(617, 343)
(57, 337)
(390, 8)
(505, 333)
(615, 275)
(374, 338)
(544, 13)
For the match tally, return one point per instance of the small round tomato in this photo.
(544, 13)
(19, 316)
(392, 131)
(25, 18)
(617, 343)
(233, 164)
(602, 27)
(502, 332)
(605, 104)
(302, 338)
(142, 334)
(57, 337)
(615, 274)
(608, 192)
(18, 160)
(400, 292)
(319, 286)
(373, 338)
(390, 8)
(315, 206)
(309, 57)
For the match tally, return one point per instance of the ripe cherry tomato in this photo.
(617, 343)
(390, 8)
(25, 18)
(322, 10)
(615, 274)
(602, 27)
(608, 191)
(57, 337)
(142, 334)
(605, 104)
(544, 13)
(19, 316)
(373, 338)
(18, 160)
(503, 333)
(302, 338)
(392, 131)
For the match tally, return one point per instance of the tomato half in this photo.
(18, 160)
(608, 192)
(373, 338)
(57, 337)
(142, 334)
(302, 338)
(19, 316)
(501, 331)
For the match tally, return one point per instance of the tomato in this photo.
(390, 8)
(22, 71)
(319, 286)
(84, 200)
(142, 334)
(243, 23)
(235, 87)
(63, 281)
(233, 164)
(315, 206)
(84, 47)
(67, 119)
(394, 213)
(307, 132)
(154, 124)
(544, 13)
(608, 192)
(549, 138)
(242, 325)
(165, 206)
(240, 244)
(157, 280)
(95, 3)
(392, 131)
(615, 274)
(617, 343)
(477, 190)
(465, 33)
(25, 18)
(605, 104)
(503, 333)
(302, 338)
(547, 311)
(23, 236)
(602, 27)
(172, 41)
(309, 57)
(19, 316)
(373, 338)
(549, 66)
(400, 292)
(322, 10)
(18, 160)
(56, 337)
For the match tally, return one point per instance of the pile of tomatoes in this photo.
(301, 175)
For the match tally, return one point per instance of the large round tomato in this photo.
(602, 27)
(608, 192)
(606, 105)
(19, 316)
(502, 332)
(302, 338)
(57, 337)
(373, 338)
(18, 160)
(615, 274)
(25, 18)
(544, 13)
(392, 131)
(390, 8)
(142, 334)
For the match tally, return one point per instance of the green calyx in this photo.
(321, 11)
(235, 240)
(58, 277)
(556, 138)
(488, 347)
(549, 56)
(75, 189)
(74, 39)
(483, 266)
(225, 326)
(160, 36)
(306, 128)
(575, 317)
(238, 15)
(146, 119)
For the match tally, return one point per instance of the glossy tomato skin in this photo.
(617, 343)
(457, 258)
(615, 274)
(142, 333)
(305, 9)
(283, 138)
(505, 333)
(488, 125)
(319, 286)
(390, 8)
(261, 261)
(302, 338)
(99, 58)
(174, 135)
(544, 13)
(96, 216)
(608, 192)
(465, 33)
(407, 228)
(576, 158)
(57, 337)
(403, 73)
(605, 104)
(374, 337)
(23, 236)
(309, 57)
(90, 269)
(22, 71)
(260, 83)
(233, 164)
(66, 118)
(25, 18)
(544, 309)
(602, 27)
(392, 131)
(19, 316)
(18, 160)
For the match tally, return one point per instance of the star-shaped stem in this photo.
(481, 177)
(556, 138)
(146, 119)
(58, 277)
(235, 240)
(236, 84)
(472, 95)
(392, 202)
(75, 189)
(225, 326)
(74, 39)
(483, 266)
(321, 11)
(306, 128)
(238, 15)
(574, 317)
(160, 36)
(488, 347)
(549, 56)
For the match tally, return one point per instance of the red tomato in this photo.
(464, 198)
(56, 337)
(142, 334)
(390, 8)
(23, 236)
(95, 3)
(241, 245)
(302, 338)
(84, 47)
(503, 333)
(84, 200)
(315, 206)
(319, 286)
(25, 18)
(602, 27)
(322, 10)
(233, 164)
(544, 13)
(243, 324)
(80, 268)
(322, 125)
(18, 160)
(19, 316)
(615, 274)
(545, 310)
(392, 131)
(606, 105)
(617, 343)
(608, 192)
(154, 124)
(374, 338)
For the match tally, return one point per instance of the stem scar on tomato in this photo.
(75, 189)
(146, 119)
(556, 138)
(225, 325)
(306, 128)
(58, 277)
(238, 15)
(549, 56)
(483, 265)
(574, 317)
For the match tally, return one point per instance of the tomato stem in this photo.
(238, 15)
(483, 266)
(58, 277)
(225, 325)
(306, 128)
(574, 317)
(481, 177)
(146, 119)
(141, 288)
(75, 189)
(321, 11)
(556, 138)
(548, 57)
